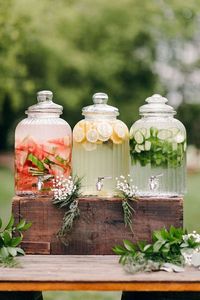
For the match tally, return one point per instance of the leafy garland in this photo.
(10, 238)
(169, 250)
(66, 193)
(128, 192)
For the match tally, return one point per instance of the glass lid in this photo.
(156, 104)
(100, 106)
(45, 104)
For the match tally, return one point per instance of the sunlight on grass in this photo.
(6, 192)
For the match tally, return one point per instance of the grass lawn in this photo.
(191, 222)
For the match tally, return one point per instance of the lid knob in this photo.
(100, 98)
(44, 96)
(156, 98)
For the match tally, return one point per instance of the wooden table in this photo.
(99, 273)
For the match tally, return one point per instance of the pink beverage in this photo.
(43, 146)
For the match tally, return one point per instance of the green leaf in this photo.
(147, 248)
(129, 246)
(27, 226)
(119, 250)
(12, 251)
(10, 223)
(157, 235)
(21, 224)
(16, 241)
(158, 245)
(123, 259)
(141, 245)
(7, 237)
(0, 222)
(20, 251)
(4, 252)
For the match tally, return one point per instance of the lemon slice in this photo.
(78, 134)
(92, 135)
(103, 139)
(121, 130)
(104, 129)
(115, 138)
(89, 146)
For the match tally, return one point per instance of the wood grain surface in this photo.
(99, 227)
(61, 272)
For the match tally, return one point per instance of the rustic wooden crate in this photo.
(99, 227)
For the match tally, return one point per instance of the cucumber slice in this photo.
(164, 134)
(36, 162)
(174, 131)
(147, 145)
(137, 149)
(179, 138)
(143, 131)
(139, 138)
(141, 147)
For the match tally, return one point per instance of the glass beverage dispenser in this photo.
(158, 150)
(100, 148)
(43, 145)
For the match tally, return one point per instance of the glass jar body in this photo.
(43, 146)
(158, 155)
(100, 154)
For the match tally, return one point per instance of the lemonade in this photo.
(100, 148)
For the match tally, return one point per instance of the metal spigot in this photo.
(154, 182)
(99, 184)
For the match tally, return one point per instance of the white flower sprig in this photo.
(66, 191)
(190, 252)
(126, 187)
(63, 189)
(128, 192)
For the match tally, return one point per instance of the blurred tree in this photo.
(190, 115)
(76, 48)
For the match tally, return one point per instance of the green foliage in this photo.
(10, 238)
(160, 153)
(76, 48)
(190, 115)
(166, 247)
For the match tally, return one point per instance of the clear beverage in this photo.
(158, 151)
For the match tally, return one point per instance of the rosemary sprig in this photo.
(128, 213)
(66, 194)
(128, 193)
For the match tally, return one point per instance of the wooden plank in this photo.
(100, 225)
(16, 209)
(39, 247)
(55, 272)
